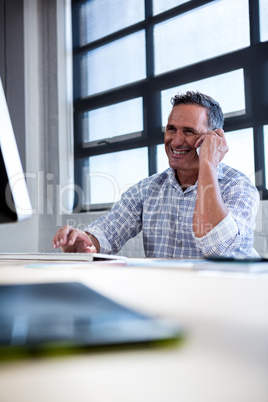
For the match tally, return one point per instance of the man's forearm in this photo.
(209, 208)
(94, 241)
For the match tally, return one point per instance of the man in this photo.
(198, 207)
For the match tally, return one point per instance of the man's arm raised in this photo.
(209, 208)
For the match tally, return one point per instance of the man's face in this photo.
(185, 125)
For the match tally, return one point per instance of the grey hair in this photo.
(214, 111)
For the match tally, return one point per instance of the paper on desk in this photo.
(200, 265)
(172, 263)
(232, 267)
(56, 265)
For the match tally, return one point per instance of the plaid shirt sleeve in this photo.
(123, 222)
(235, 233)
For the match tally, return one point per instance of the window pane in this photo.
(241, 151)
(227, 89)
(99, 18)
(109, 175)
(264, 19)
(217, 28)
(162, 159)
(159, 5)
(113, 121)
(118, 63)
(266, 154)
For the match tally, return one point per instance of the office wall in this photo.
(30, 76)
(20, 236)
(261, 232)
(12, 65)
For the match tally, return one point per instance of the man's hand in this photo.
(213, 147)
(72, 240)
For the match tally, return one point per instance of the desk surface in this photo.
(224, 357)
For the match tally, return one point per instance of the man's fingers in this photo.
(76, 234)
(199, 142)
(70, 239)
(216, 133)
(91, 249)
(220, 132)
(61, 236)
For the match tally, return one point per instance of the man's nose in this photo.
(178, 139)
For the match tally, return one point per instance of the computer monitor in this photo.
(15, 203)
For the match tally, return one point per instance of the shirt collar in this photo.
(172, 177)
(173, 180)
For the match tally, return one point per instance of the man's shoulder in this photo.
(228, 174)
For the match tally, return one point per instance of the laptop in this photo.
(51, 317)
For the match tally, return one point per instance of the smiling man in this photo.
(197, 207)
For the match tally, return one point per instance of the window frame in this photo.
(252, 59)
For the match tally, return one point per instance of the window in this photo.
(241, 151)
(99, 18)
(263, 20)
(115, 64)
(107, 177)
(108, 123)
(266, 154)
(197, 35)
(131, 56)
(159, 5)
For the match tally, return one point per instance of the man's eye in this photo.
(171, 129)
(189, 132)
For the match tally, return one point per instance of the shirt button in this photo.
(180, 218)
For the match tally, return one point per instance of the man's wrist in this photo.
(94, 241)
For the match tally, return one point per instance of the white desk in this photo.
(224, 358)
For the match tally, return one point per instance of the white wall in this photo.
(261, 232)
(23, 236)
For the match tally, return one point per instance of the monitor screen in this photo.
(14, 198)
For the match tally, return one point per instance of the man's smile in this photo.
(182, 152)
